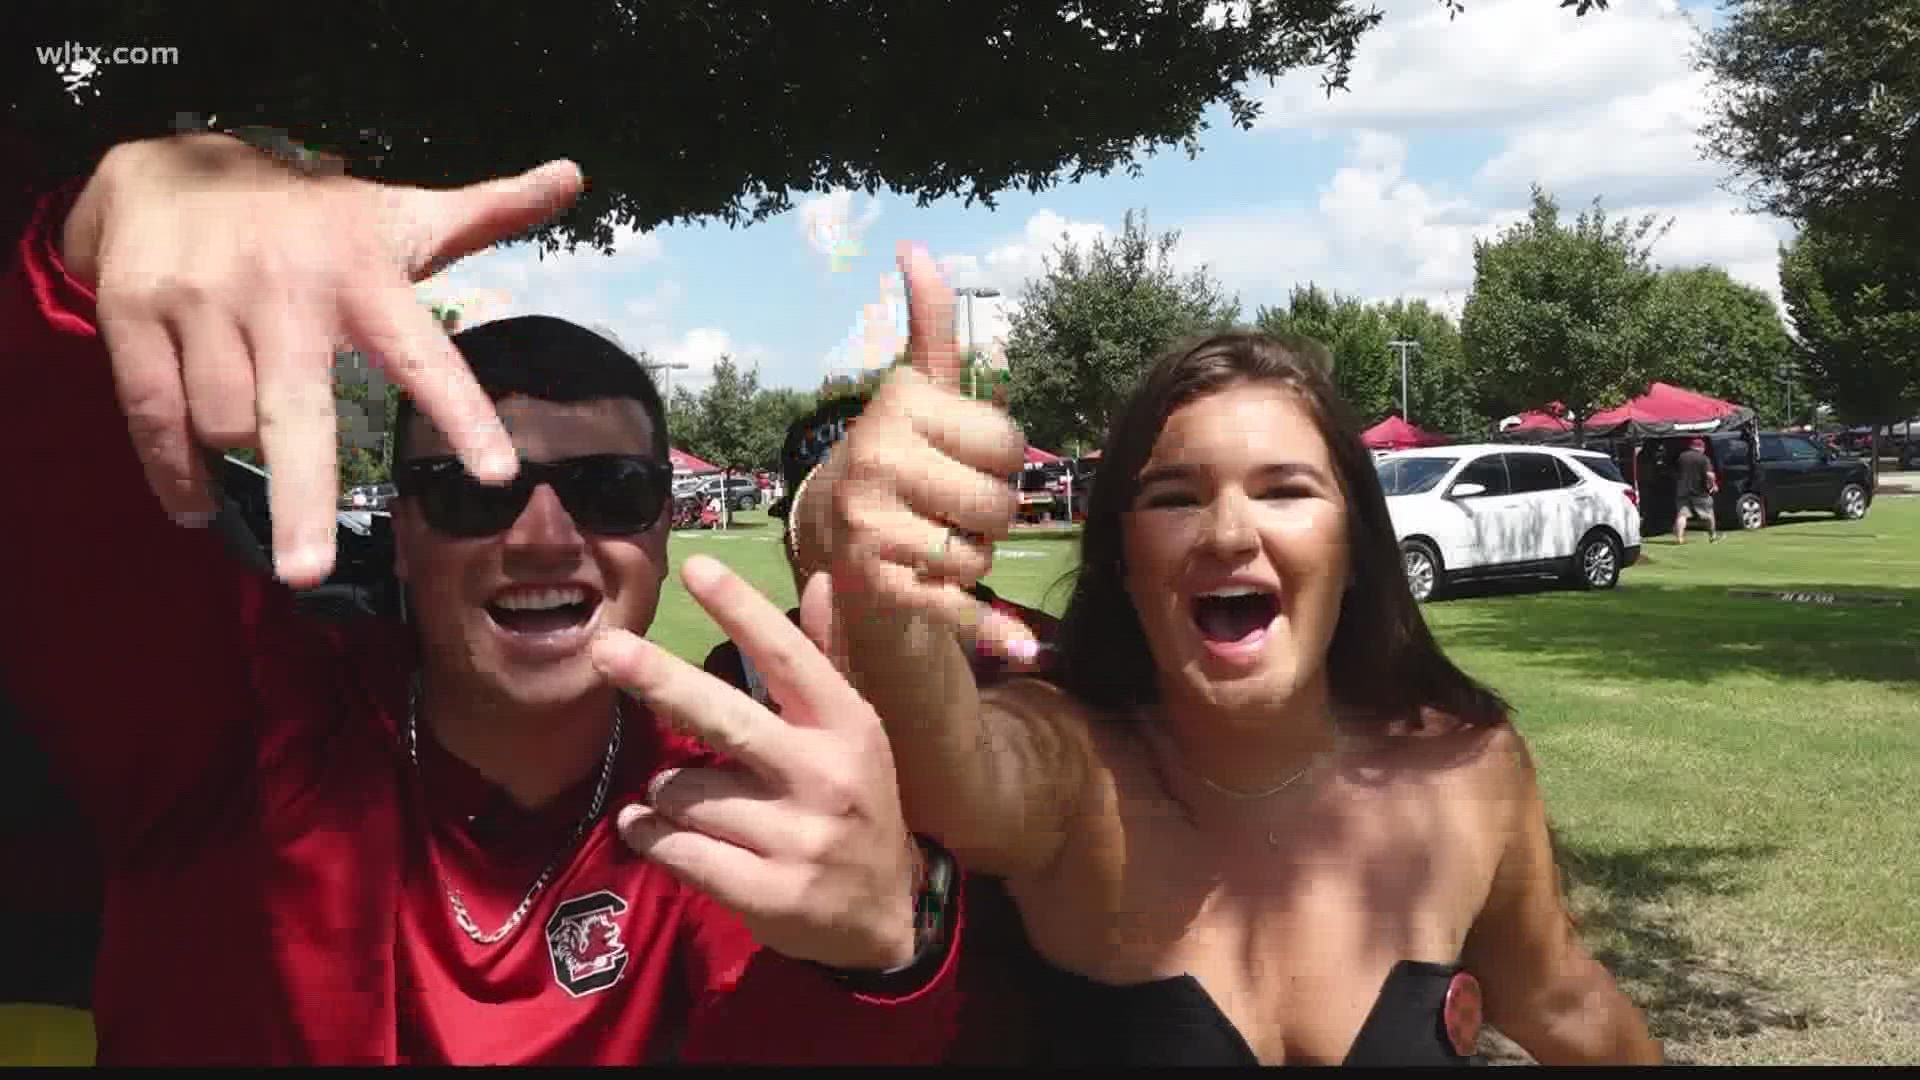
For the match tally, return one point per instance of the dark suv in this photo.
(1790, 474)
(362, 582)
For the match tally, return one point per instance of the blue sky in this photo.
(1380, 192)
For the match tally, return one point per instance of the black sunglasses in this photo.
(610, 494)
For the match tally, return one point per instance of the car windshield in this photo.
(1600, 466)
(1413, 476)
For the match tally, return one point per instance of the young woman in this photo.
(1256, 815)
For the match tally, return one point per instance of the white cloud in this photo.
(1010, 264)
(1639, 145)
(1501, 62)
(699, 349)
(1608, 105)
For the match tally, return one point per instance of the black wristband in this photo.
(933, 910)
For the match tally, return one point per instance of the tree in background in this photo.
(745, 101)
(1367, 370)
(1559, 312)
(726, 416)
(773, 412)
(1354, 334)
(683, 421)
(1859, 336)
(1712, 334)
(866, 384)
(1440, 395)
(1087, 331)
(1814, 106)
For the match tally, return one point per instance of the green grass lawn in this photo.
(1734, 782)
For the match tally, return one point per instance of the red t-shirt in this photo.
(272, 858)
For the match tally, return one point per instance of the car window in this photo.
(1802, 450)
(1602, 467)
(1413, 476)
(1489, 471)
(1732, 451)
(1772, 448)
(1532, 472)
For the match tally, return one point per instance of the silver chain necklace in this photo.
(1273, 835)
(1250, 796)
(599, 803)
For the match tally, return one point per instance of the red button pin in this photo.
(1463, 1013)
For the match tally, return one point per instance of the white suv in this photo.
(1500, 510)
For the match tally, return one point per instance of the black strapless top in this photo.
(1426, 1014)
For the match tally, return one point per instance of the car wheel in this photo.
(1596, 562)
(1751, 511)
(1853, 502)
(1422, 566)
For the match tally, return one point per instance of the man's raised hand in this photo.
(225, 282)
(801, 833)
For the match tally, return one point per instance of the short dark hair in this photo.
(808, 441)
(548, 359)
(1383, 662)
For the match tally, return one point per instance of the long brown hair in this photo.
(1383, 663)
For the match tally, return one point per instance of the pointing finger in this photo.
(298, 433)
(699, 704)
(460, 222)
(390, 322)
(801, 678)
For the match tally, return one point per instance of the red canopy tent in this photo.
(1394, 433)
(1668, 410)
(1037, 456)
(1548, 421)
(685, 462)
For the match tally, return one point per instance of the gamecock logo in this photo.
(583, 938)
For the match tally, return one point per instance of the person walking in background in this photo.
(1695, 485)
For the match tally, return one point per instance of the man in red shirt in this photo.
(369, 842)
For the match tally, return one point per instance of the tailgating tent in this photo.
(1538, 424)
(1668, 410)
(685, 464)
(1037, 456)
(1394, 433)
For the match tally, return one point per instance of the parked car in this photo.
(1793, 474)
(362, 583)
(1498, 510)
(742, 492)
(1037, 497)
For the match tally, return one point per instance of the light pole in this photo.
(666, 391)
(1401, 345)
(973, 367)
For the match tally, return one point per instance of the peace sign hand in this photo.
(924, 491)
(802, 837)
